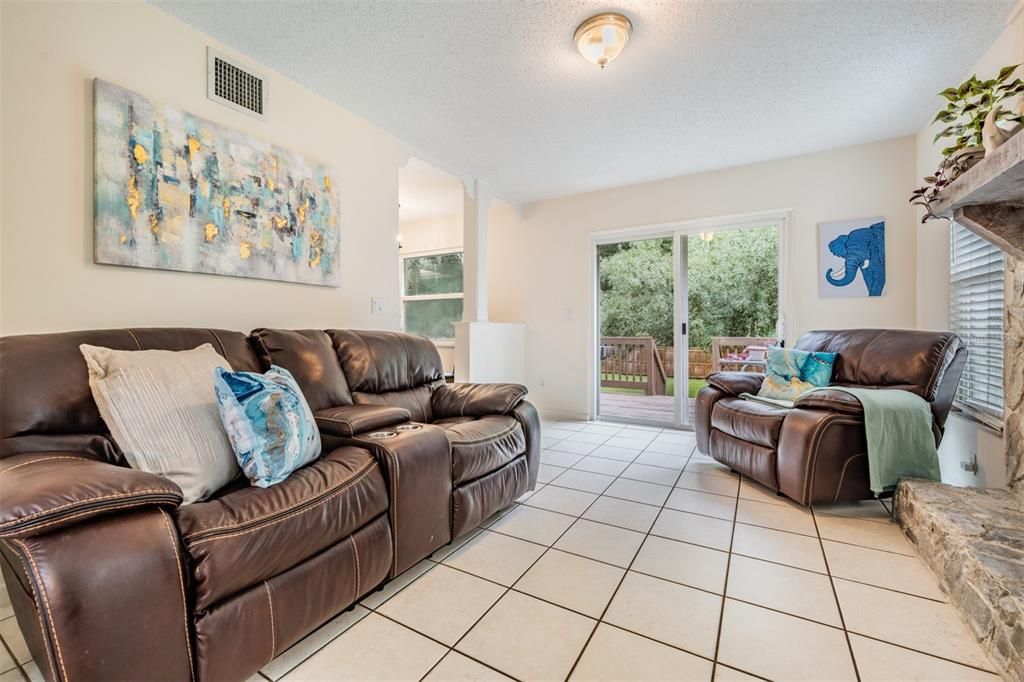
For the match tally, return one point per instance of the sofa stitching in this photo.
(423, 406)
(39, 612)
(408, 357)
(46, 605)
(40, 459)
(394, 504)
(15, 522)
(273, 625)
(516, 397)
(223, 351)
(181, 587)
(842, 474)
(333, 493)
(374, 384)
(815, 440)
(89, 513)
(266, 351)
(940, 369)
(355, 551)
(343, 422)
(486, 439)
(393, 498)
(137, 342)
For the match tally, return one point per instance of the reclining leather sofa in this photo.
(111, 577)
(816, 453)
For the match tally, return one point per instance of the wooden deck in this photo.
(630, 406)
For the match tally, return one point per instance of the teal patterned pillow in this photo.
(790, 372)
(268, 422)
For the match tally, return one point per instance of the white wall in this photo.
(434, 234)
(50, 54)
(539, 265)
(963, 436)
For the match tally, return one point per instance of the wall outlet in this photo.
(970, 465)
(376, 305)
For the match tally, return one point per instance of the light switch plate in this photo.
(376, 305)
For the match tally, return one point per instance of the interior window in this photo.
(977, 281)
(432, 294)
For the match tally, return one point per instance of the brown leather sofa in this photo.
(816, 453)
(112, 578)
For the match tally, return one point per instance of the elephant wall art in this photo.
(851, 258)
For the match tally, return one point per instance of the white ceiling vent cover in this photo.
(233, 85)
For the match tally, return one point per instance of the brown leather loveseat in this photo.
(816, 453)
(112, 578)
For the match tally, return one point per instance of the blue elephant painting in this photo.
(848, 249)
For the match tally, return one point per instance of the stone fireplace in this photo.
(973, 539)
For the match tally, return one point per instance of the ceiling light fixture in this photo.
(601, 38)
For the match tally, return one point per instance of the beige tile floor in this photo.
(638, 559)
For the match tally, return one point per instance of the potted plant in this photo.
(972, 116)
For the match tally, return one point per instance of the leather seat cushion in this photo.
(482, 445)
(251, 534)
(749, 420)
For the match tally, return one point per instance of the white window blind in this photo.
(976, 273)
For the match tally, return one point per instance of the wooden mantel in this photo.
(989, 198)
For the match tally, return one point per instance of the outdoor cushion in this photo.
(480, 446)
(252, 534)
(749, 420)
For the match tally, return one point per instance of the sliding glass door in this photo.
(674, 305)
(636, 293)
(728, 304)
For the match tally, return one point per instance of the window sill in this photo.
(986, 421)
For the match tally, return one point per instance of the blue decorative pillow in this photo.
(268, 422)
(790, 372)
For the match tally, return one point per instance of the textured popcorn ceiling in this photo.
(495, 88)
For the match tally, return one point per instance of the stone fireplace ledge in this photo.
(973, 539)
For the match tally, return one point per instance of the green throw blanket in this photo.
(899, 433)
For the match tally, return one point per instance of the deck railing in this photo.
(632, 362)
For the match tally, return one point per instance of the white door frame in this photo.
(676, 230)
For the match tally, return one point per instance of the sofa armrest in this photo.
(475, 400)
(735, 383)
(831, 400)
(41, 492)
(351, 420)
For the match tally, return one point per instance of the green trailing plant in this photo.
(967, 107)
(969, 104)
(949, 170)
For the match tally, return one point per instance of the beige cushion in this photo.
(161, 410)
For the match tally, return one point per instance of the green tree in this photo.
(636, 289)
(733, 286)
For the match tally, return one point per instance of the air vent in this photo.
(233, 85)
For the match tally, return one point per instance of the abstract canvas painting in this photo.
(851, 258)
(177, 192)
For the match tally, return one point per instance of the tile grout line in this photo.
(615, 592)
(510, 588)
(18, 665)
(675, 486)
(835, 595)
(725, 586)
(658, 577)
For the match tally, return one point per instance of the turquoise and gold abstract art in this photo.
(178, 192)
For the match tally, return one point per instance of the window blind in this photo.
(977, 280)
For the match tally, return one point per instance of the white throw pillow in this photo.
(162, 412)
